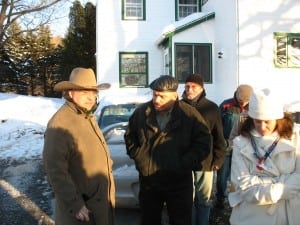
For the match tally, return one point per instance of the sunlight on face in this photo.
(163, 101)
(84, 98)
(265, 127)
(192, 90)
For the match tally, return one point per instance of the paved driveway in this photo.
(27, 199)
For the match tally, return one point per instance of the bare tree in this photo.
(31, 14)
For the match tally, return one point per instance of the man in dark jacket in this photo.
(167, 139)
(195, 95)
(230, 112)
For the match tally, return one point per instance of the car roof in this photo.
(115, 98)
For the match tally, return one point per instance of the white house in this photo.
(230, 42)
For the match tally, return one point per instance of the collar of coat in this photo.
(174, 122)
(247, 151)
(194, 101)
(81, 110)
(283, 145)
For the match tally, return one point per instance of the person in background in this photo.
(194, 94)
(236, 129)
(167, 139)
(230, 111)
(76, 158)
(265, 172)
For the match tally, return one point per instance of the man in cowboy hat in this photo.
(76, 157)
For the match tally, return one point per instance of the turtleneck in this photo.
(163, 118)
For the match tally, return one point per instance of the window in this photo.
(186, 7)
(287, 50)
(133, 9)
(166, 63)
(133, 69)
(193, 58)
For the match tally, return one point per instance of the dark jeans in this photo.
(223, 176)
(178, 197)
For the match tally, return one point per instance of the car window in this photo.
(115, 114)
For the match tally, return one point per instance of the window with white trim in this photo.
(133, 69)
(287, 50)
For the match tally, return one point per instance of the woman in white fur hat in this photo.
(265, 172)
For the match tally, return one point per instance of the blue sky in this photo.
(59, 26)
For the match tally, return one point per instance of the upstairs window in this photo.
(133, 9)
(287, 50)
(186, 7)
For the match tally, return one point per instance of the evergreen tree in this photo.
(29, 55)
(12, 57)
(80, 42)
(90, 35)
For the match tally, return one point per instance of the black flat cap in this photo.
(164, 83)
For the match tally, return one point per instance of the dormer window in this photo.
(186, 7)
(133, 10)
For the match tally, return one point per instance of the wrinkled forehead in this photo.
(164, 93)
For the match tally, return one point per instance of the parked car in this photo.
(125, 173)
(112, 115)
(118, 113)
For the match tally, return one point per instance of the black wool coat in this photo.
(211, 113)
(174, 151)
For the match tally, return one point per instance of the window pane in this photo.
(133, 69)
(294, 52)
(133, 63)
(166, 63)
(134, 9)
(183, 61)
(187, 7)
(281, 51)
(202, 61)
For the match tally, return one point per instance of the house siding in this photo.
(242, 30)
(115, 35)
(256, 27)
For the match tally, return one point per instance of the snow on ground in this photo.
(23, 120)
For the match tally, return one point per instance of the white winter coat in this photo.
(271, 196)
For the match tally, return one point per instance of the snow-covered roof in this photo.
(183, 24)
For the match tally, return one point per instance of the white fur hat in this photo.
(263, 105)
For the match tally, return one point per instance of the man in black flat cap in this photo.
(167, 139)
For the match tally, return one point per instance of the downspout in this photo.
(238, 42)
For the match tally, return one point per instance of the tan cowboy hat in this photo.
(81, 78)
